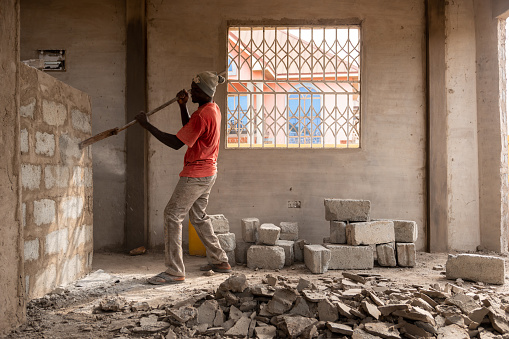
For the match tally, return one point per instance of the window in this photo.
(293, 87)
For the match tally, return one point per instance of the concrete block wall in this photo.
(56, 181)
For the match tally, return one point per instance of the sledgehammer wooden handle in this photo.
(114, 131)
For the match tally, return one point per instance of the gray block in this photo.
(317, 258)
(475, 267)
(227, 241)
(241, 251)
(337, 232)
(405, 231)
(249, 229)
(406, 254)
(289, 230)
(386, 255)
(369, 233)
(347, 210)
(268, 234)
(346, 257)
(268, 257)
(287, 245)
(298, 249)
(219, 223)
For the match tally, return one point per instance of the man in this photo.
(200, 132)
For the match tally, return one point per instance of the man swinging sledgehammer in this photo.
(200, 132)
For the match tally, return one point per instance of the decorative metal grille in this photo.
(293, 87)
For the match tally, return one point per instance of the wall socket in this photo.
(294, 204)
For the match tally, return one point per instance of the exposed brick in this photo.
(53, 113)
(31, 251)
(346, 257)
(72, 207)
(71, 269)
(44, 144)
(56, 176)
(267, 257)
(317, 258)
(27, 110)
(24, 140)
(69, 148)
(44, 211)
(56, 241)
(367, 233)
(347, 210)
(45, 281)
(337, 232)
(24, 213)
(30, 176)
(81, 121)
(249, 229)
(475, 267)
(406, 254)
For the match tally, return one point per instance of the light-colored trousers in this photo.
(190, 195)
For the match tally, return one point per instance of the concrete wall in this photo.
(11, 243)
(56, 178)
(389, 169)
(93, 34)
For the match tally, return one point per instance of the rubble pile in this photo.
(359, 306)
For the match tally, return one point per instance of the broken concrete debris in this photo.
(351, 305)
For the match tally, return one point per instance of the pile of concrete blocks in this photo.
(227, 241)
(356, 240)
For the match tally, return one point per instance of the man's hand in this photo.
(182, 97)
(142, 119)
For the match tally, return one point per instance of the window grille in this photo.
(293, 87)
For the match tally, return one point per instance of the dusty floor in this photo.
(69, 312)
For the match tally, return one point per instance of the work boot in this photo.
(223, 267)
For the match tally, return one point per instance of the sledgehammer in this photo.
(116, 130)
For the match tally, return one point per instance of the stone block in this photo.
(30, 176)
(250, 229)
(386, 255)
(44, 144)
(56, 176)
(69, 148)
(27, 110)
(81, 121)
(71, 207)
(241, 251)
(227, 241)
(405, 231)
(287, 245)
(82, 176)
(56, 241)
(298, 249)
(24, 141)
(44, 211)
(220, 224)
(268, 257)
(289, 230)
(406, 254)
(31, 250)
(268, 234)
(473, 267)
(345, 257)
(231, 258)
(369, 233)
(317, 258)
(347, 210)
(53, 113)
(337, 232)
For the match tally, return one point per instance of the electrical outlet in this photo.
(294, 204)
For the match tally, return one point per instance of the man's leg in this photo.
(203, 225)
(185, 194)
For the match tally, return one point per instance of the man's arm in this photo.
(168, 139)
(183, 96)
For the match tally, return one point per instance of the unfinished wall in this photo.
(56, 178)
(461, 97)
(12, 304)
(93, 34)
(492, 125)
(389, 169)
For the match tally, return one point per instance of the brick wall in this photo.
(56, 179)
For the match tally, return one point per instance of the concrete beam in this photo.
(136, 200)
(437, 127)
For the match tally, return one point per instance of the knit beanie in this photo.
(207, 81)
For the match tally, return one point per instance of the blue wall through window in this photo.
(237, 114)
(305, 119)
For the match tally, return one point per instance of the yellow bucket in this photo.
(196, 247)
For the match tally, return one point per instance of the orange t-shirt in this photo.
(201, 135)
